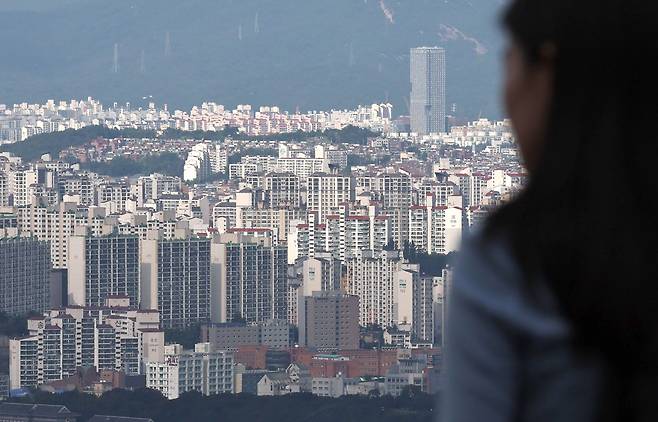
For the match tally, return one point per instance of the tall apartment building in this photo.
(435, 229)
(197, 165)
(20, 180)
(428, 90)
(394, 190)
(79, 185)
(394, 193)
(447, 278)
(463, 181)
(278, 220)
(224, 216)
(329, 320)
(253, 280)
(320, 273)
(4, 189)
(218, 159)
(175, 279)
(478, 188)
(281, 190)
(24, 275)
(113, 197)
(115, 336)
(301, 167)
(337, 158)
(57, 224)
(101, 267)
(383, 282)
(155, 185)
(423, 309)
(327, 191)
(181, 371)
(444, 193)
(344, 234)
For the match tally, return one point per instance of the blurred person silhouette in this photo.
(553, 312)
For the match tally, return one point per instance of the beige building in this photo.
(329, 320)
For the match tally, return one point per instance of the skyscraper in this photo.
(428, 90)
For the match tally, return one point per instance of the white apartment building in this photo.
(252, 279)
(4, 189)
(383, 283)
(115, 336)
(326, 192)
(300, 167)
(20, 181)
(345, 234)
(278, 220)
(154, 186)
(197, 165)
(204, 370)
(57, 224)
(113, 197)
(435, 229)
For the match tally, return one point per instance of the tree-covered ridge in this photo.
(35, 146)
(53, 143)
(166, 163)
(411, 406)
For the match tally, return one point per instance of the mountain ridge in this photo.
(312, 55)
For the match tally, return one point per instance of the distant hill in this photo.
(311, 54)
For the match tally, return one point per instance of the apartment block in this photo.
(115, 336)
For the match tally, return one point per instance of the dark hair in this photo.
(587, 221)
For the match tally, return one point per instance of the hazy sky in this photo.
(309, 54)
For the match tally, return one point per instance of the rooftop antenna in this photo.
(115, 66)
(167, 49)
(240, 32)
(256, 25)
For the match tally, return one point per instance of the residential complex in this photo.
(302, 265)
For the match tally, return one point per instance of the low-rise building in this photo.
(208, 372)
(274, 334)
(27, 412)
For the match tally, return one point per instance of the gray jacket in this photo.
(509, 355)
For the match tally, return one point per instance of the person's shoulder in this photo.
(486, 261)
(489, 277)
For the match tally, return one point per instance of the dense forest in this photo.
(412, 405)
